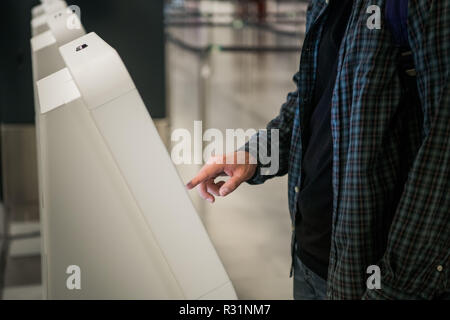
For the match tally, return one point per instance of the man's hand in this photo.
(239, 166)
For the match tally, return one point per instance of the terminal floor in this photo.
(251, 227)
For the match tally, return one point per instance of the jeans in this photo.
(307, 284)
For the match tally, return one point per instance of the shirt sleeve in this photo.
(417, 260)
(262, 140)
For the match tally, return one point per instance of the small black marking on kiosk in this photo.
(83, 46)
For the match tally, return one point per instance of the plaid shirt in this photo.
(391, 160)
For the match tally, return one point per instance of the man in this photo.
(368, 157)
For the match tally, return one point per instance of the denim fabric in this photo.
(307, 284)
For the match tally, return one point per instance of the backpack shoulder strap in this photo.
(397, 20)
(396, 13)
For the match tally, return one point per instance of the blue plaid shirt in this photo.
(380, 145)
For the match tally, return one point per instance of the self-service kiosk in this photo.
(117, 222)
(47, 6)
(40, 12)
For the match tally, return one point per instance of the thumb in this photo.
(230, 185)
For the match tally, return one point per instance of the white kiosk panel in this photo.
(114, 203)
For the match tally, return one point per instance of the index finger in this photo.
(207, 172)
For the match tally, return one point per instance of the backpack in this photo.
(396, 13)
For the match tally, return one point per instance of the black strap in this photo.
(396, 13)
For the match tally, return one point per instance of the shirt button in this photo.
(296, 189)
(440, 268)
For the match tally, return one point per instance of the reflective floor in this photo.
(251, 227)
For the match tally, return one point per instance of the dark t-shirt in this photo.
(315, 201)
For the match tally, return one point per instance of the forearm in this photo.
(275, 141)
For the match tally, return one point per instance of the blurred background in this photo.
(227, 63)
